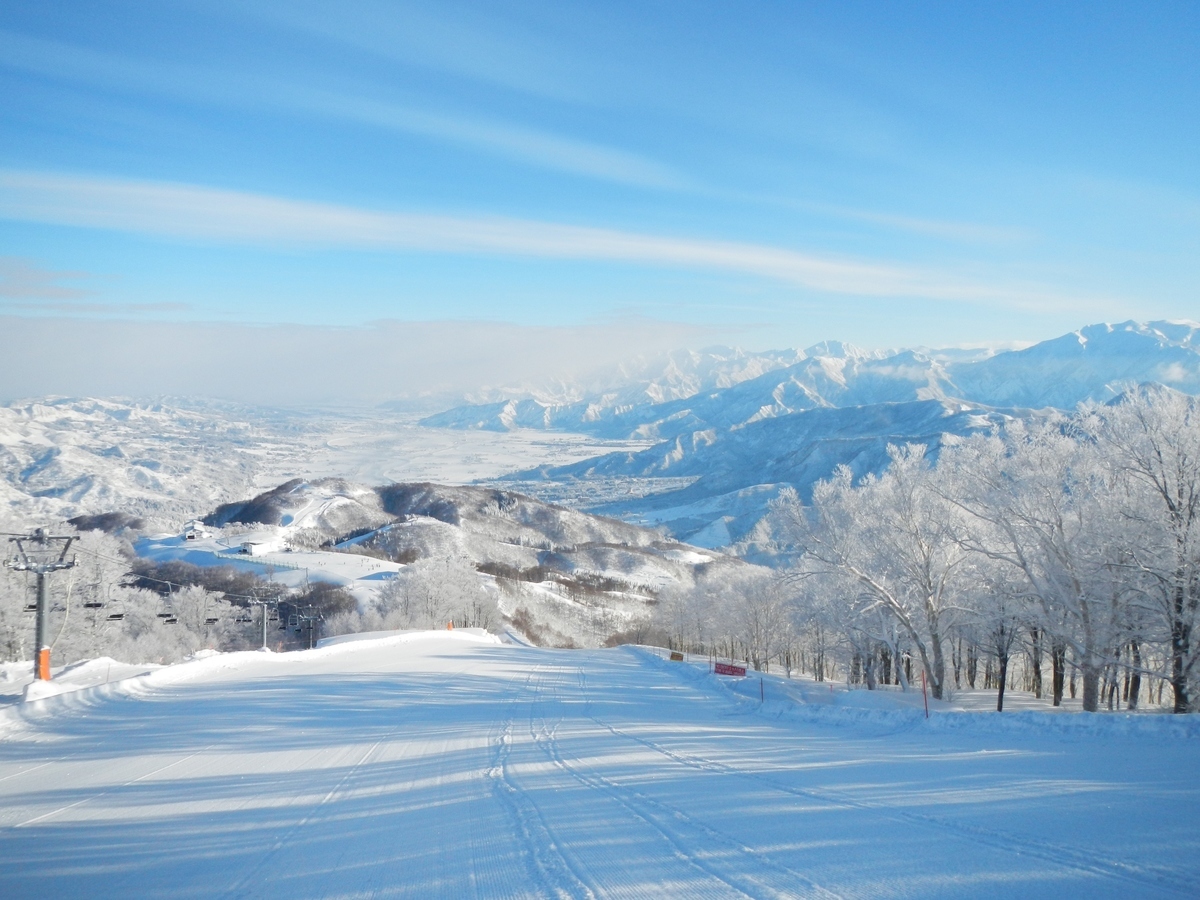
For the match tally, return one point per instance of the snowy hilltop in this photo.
(424, 554)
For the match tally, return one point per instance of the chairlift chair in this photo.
(116, 610)
(93, 604)
(30, 607)
(211, 620)
(171, 621)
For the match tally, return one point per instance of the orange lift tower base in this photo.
(41, 554)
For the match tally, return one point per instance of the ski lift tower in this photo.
(41, 554)
(308, 620)
(268, 606)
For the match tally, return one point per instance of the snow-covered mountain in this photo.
(736, 471)
(708, 436)
(592, 404)
(1094, 363)
(577, 576)
(735, 447)
(62, 457)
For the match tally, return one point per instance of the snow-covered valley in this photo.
(696, 442)
(171, 461)
(452, 765)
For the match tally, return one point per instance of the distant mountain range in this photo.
(837, 405)
(738, 469)
(1094, 363)
(717, 432)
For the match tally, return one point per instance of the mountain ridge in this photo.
(1094, 363)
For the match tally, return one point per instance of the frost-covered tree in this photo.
(1033, 497)
(892, 545)
(433, 592)
(762, 619)
(1152, 439)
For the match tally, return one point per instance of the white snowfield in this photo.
(450, 765)
(362, 576)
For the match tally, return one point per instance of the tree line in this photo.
(1058, 553)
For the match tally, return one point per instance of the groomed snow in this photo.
(447, 764)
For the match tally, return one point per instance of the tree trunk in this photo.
(869, 671)
(1135, 677)
(1002, 660)
(1180, 643)
(1035, 661)
(972, 664)
(1058, 659)
(1091, 686)
(938, 675)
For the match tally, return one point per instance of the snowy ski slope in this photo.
(450, 765)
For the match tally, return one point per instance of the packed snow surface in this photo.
(450, 765)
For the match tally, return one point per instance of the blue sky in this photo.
(763, 174)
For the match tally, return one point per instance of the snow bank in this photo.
(878, 712)
(43, 699)
(17, 682)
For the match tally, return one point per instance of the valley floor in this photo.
(450, 765)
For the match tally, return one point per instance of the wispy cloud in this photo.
(197, 212)
(242, 90)
(944, 229)
(22, 279)
(527, 145)
(964, 232)
(488, 46)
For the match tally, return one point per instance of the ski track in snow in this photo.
(1152, 881)
(681, 831)
(441, 766)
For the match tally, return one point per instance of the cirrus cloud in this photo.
(198, 212)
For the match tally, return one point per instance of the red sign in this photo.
(726, 669)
